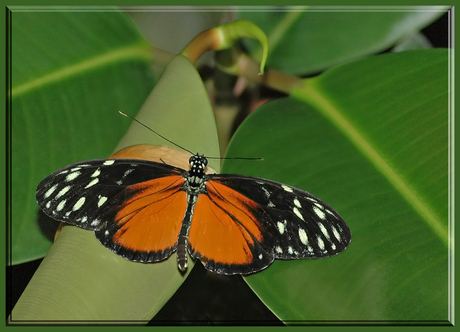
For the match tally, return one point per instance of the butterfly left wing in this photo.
(268, 220)
(135, 207)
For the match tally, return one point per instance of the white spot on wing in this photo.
(92, 183)
(128, 171)
(102, 200)
(286, 188)
(290, 250)
(266, 192)
(320, 243)
(336, 233)
(61, 205)
(330, 212)
(95, 222)
(96, 173)
(297, 203)
(260, 255)
(297, 213)
(62, 192)
(72, 176)
(109, 162)
(278, 250)
(50, 191)
(319, 212)
(79, 203)
(324, 230)
(281, 227)
(303, 236)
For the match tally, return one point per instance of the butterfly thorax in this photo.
(195, 179)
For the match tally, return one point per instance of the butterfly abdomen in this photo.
(182, 241)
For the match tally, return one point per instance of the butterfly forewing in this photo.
(294, 223)
(119, 199)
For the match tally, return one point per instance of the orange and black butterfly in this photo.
(145, 211)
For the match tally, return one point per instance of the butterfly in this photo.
(145, 211)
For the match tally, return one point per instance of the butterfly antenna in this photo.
(237, 158)
(144, 125)
(130, 117)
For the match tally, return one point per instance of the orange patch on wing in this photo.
(215, 235)
(151, 219)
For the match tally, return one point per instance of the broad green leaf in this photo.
(71, 74)
(79, 279)
(371, 139)
(309, 39)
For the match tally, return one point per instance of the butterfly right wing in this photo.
(257, 220)
(123, 201)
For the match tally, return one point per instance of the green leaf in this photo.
(79, 279)
(371, 139)
(71, 74)
(310, 39)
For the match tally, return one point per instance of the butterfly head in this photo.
(197, 163)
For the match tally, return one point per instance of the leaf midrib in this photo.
(279, 31)
(139, 51)
(312, 94)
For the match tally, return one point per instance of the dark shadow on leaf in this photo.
(48, 225)
(207, 298)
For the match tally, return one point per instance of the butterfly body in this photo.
(145, 211)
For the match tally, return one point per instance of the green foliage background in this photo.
(369, 136)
